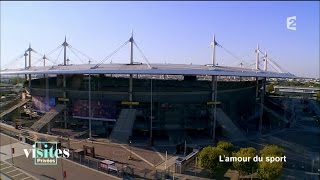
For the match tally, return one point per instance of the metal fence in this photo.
(124, 171)
(165, 174)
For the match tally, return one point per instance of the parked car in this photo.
(108, 165)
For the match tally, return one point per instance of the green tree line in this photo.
(208, 158)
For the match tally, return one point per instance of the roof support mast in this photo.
(257, 57)
(257, 51)
(25, 64)
(213, 44)
(131, 48)
(47, 92)
(29, 49)
(44, 60)
(263, 93)
(265, 61)
(131, 75)
(65, 44)
(214, 90)
(131, 62)
(257, 68)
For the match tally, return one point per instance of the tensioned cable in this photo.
(54, 50)
(248, 65)
(229, 52)
(12, 61)
(80, 52)
(50, 60)
(111, 54)
(143, 56)
(241, 60)
(57, 56)
(273, 63)
(77, 56)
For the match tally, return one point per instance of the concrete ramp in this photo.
(275, 114)
(123, 127)
(48, 116)
(13, 108)
(231, 129)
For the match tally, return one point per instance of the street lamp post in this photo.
(165, 165)
(12, 151)
(312, 165)
(63, 174)
(130, 150)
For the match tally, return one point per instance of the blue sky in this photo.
(171, 32)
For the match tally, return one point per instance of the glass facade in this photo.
(179, 106)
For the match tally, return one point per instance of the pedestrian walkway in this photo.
(164, 165)
(44, 120)
(13, 108)
(18, 150)
(13, 172)
(123, 128)
(6, 168)
(231, 129)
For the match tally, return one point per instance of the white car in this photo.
(108, 165)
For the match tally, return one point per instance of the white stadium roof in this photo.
(152, 69)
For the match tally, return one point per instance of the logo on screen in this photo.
(291, 23)
(46, 153)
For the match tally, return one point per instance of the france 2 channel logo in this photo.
(291, 23)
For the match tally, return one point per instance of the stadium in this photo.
(146, 102)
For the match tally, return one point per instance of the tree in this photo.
(272, 150)
(318, 96)
(16, 80)
(246, 167)
(209, 159)
(227, 146)
(270, 88)
(267, 170)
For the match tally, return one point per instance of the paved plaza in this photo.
(17, 166)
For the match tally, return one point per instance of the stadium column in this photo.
(89, 102)
(65, 44)
(262, 103)
(151, 120)
(214, 92)
(47, 92)
(214, 105)
(47, 100)
(257, 78)
(130, 89)
(263, 93)
(64, 102)
(131, 76)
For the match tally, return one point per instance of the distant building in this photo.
(297, 91)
